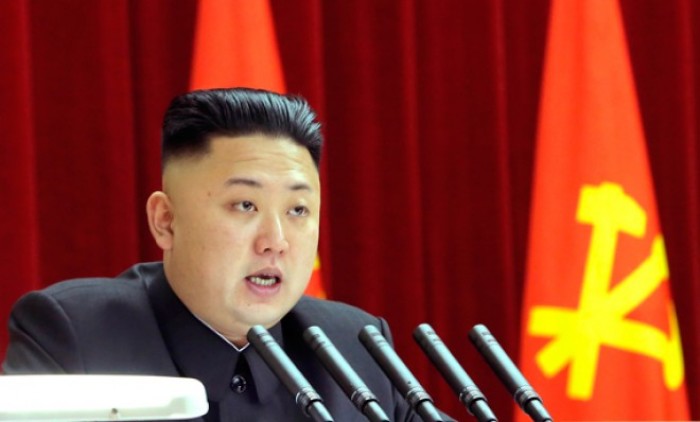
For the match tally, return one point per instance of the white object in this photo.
(100, 398)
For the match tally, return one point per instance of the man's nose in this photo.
(271, 237)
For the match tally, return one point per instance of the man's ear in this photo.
(160, 219)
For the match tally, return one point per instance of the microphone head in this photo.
(372, 338)
(314, 337)
(425, 335)
(479, 333)
(256, 332)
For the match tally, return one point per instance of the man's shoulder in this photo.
(332, 313)
(89, 325)
(128, 284)
(327, 305)
(81, 299)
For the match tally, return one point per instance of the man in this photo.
(238, 221)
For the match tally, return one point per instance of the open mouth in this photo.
(263, 280)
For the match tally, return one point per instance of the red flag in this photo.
(315, 287)
(235, 45)
(600, 336)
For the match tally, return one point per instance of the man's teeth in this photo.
(263, 281)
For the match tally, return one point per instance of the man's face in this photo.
(244, 226)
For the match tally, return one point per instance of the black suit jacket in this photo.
(135, 324)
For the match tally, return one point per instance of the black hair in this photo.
(192, 119)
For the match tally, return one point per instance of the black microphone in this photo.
(510, 375)
(398, 373)
(344, 375)
(304, 394)
(468, 393)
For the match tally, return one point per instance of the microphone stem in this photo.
(374, 412)
(537, 412)
(482, 412)
(318, 412)
(427, 412)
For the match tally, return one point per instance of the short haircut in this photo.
(192, 119)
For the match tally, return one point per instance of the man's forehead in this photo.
(248, 160)
(241, 145)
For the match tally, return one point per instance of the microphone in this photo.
(344, 375)
(468, 393)
(304, 394)
(505, 369)
(398, 373)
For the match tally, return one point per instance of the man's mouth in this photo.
(263, 280)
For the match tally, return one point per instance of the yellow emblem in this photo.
(577, 334)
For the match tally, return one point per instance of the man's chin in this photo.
(266, 314)
(266, 319)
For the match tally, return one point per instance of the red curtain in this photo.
(430, 111)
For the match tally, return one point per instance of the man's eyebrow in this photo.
(256, 184)
(242, 181)
(300, 186)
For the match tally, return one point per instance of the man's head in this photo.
(239, 212)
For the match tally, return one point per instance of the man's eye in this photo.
(245, 206)
(299, 211)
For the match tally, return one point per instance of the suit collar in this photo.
(200, 353)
